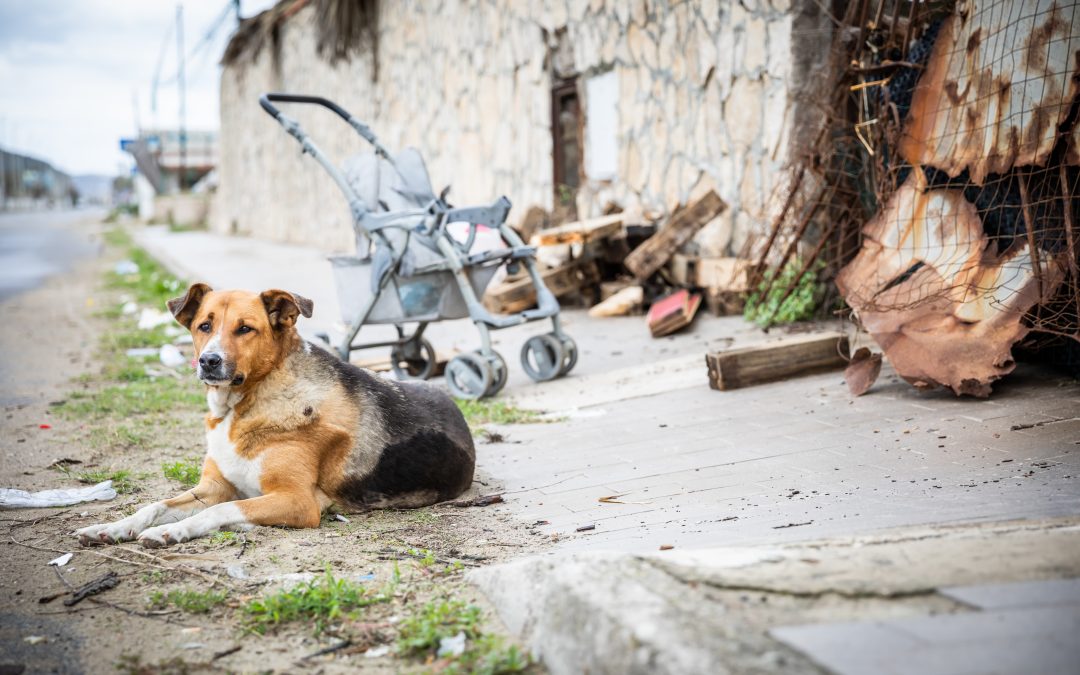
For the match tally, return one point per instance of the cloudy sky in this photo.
(71, 71)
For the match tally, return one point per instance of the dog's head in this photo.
(239, 336)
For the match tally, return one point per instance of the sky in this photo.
(73, 73)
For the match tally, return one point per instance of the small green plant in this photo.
(764, 308)
(223, 537)
(434, 621)
(192, 602)
(155, 576)
(319, 601)
(185, 472)
(164, 395)
(488, 655)
(121, 480)
(494, 412)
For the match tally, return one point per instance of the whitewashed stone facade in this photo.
(707, 97)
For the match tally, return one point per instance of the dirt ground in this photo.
(52, 341)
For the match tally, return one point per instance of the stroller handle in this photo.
(364, 130)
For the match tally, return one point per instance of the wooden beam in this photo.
(646, 259)
(579, 231)
(791, 356)
(519, 295)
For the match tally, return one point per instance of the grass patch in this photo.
(163, 395)
(121, 479)
(482, 412)
(318, 602)
(192, 602)
(185, 472)
(151, 285)
(421, 633)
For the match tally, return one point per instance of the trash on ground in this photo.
(863, 371)
(171, 356)
(63, 463)
(585, 528)
(784, 527)
(125, 267)
(62, 560)
(376, 652)
(11, 498)
(236, 572)
(452, 646)
(152, 318)
(141, 352)
(790, 356)
(34, 639)
(666, 547)
(341, 518)
(129, 308)
(103, 583)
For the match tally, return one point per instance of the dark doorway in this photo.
(566, 137)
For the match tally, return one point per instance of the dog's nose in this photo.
(210, 361)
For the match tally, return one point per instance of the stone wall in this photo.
(706, 98)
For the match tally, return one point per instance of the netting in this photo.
(938, 193)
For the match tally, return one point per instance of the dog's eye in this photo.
(243, 330)
(205, 326)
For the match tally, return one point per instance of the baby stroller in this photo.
(410, 267)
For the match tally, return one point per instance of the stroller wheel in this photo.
(542, 357)
(469, 376)
(569, 354)
(413, 361)
(499, 372)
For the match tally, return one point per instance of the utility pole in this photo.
(183, 92)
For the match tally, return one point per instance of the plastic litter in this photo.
(137, 352)
(452, 646)
(236, 571)
(129, 308)
(376, 652)
(62, 560)
(11, 498)
(171, 357)
(152, 318)
(126, 267)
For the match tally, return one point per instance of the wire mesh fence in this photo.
(939, 191)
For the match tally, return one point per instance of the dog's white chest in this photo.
(241, 472)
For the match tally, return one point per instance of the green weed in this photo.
(765, 309)
(133, 398)
(121, 479)
(192, 602)
(223, 537)
(421, 633)
(482, 412)
(319, 601)
(186, 472)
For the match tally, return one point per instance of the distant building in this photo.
(28, 182)
(162, 160)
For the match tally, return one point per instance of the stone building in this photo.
(567, 105)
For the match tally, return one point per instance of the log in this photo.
(646, 259)
(791, 356)
(580, 231)
(519, 295)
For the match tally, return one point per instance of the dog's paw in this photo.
(106, 533)
(163, 535)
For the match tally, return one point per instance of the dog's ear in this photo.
(186, 306)
(282, 307)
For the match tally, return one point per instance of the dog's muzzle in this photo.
(216, 371)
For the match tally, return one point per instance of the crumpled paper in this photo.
(11, 498)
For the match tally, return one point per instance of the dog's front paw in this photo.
(163, 535)
(106, 533)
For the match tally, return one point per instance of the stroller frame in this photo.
(470, 375)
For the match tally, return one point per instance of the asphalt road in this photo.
(37, 245)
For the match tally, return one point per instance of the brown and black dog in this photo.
(292, 429)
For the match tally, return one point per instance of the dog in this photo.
(293, 429)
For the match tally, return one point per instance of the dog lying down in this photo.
(292, 429)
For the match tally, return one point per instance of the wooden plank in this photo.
(519, 295)
(646, 259)
(579, 231)
(728, 274)
(791, 356)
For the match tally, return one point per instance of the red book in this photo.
(672, 312)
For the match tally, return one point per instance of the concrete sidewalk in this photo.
(679, 465)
